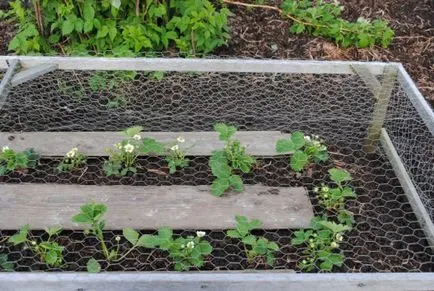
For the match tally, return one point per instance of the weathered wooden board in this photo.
(259, 143)
(150, 207)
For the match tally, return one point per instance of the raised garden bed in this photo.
(378, 129)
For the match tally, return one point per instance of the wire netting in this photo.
(338, 108)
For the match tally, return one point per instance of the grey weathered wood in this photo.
(259, 143)
(197, 65)
(215, 281)
(380, 108)
(408, 187)
(368, 78)
(5, 82)
(32, 73)
(150, 207)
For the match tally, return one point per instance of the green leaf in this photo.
(339, 175)
(88, 11)
(299, 160)
(334, 226)
(165, 233)
(21, 236)
(300, 238)
(51, 257)
(285, 146)
(348, 192)
(233, 233)
(249, 240)
(225, 131)
(219, 186)
(205, 248)
(131, 235)
(298, 139)
(151, 146)
(148, 241)
(67, 27)
(219, 165)
(273, 246)
(236, 183)
(93, 266)
(52, 231)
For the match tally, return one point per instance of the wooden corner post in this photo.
(382, 96)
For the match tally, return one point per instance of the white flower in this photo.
(316, 189)
(180, 139)
(5, 148)
(33, 243)
(129, 148)
(182, 246)
(190, 245)
(72, 153)
(334, 245)
(200, 233)
(118, 145)
(117, 238)
(137, 137)
(175, 147)
(307, 138)
(325, 189)
(339, 237)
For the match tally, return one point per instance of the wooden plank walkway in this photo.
(150, 207)
(258, 143)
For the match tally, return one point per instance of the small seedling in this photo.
(11, 160)
(73, 160)
(49, 251)
(254, 246)
(333, 198)
(92, 214)
(322, 244)
(304, 150)
(186, 252)
(175, 157)
(224, 162)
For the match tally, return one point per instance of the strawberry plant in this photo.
(74, 159)
(11, 160)
(254, 246)
(49, 251)
(333, 198)
(322, 244)
(224, 162)
(175, 157)
(303, 149)
(186, 252)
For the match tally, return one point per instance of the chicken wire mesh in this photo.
(337, 107)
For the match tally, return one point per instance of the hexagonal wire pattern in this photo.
(387, 236)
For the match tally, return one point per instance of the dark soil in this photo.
(262, 33)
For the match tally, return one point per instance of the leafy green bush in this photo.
(122, 28)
